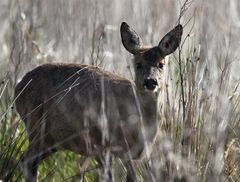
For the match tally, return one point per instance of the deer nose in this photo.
(150, 83)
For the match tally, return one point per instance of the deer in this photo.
(93, 112)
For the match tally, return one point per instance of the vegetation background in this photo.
(200, 107)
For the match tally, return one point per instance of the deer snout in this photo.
(150, 84)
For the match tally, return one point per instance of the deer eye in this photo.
(160, 65)
(138, 65)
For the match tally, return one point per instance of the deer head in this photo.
(149, 62)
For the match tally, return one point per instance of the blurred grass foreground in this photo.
(200, 104)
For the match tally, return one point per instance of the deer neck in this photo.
(148, 102)
(150, 117)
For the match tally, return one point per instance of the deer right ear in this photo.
(131, 41)
(171, 40)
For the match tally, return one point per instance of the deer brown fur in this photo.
(87, 110)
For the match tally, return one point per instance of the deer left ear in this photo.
(171, 40)
(130, 39)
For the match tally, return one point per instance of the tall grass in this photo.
(200, 108)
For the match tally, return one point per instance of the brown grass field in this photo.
(199, 126)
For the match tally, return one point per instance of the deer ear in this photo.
(171, 40)
(130, 40)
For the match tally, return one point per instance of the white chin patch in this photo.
(147, 90)
(156, 90)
